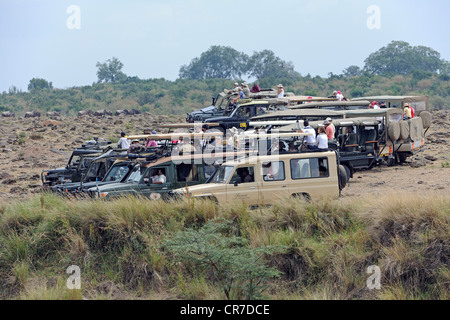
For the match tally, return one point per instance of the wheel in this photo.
(349, 172)
(342, 177)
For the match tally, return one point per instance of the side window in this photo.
(209, 170)
(260, 110)
(243, 175)
(273, 171)
(309, 168)
(187, 172)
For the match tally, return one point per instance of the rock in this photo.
(9, 181)
(431, 158)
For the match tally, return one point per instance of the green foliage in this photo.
(218, 62)
(399, 58)
(110, 71)
(38, 84)
(216, 249)
(265, 64)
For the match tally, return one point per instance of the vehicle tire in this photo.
(342, 177)
(394, 131)
(349, 173)
(426, 119)
(404, 130)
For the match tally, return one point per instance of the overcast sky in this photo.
(53, 40)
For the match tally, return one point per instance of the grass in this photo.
(328, 247)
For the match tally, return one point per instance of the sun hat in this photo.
(280, 86)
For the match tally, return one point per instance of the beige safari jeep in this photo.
(264, 180)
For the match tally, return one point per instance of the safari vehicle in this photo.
(108, 168)
(398, 138)
(78, 164)
(179, 171)
(419, 103)
(223, 102)
(264, 180)
(239, 117)
(356, 141)
(334, 105)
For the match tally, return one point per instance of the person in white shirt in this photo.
(159, 178)
(280, 91)
(311, 139)
(123, 143)
(322, 139)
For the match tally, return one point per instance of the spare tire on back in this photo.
(342, 177)
(394, 131)
(404, 130)
(416, 129)
(426, 119)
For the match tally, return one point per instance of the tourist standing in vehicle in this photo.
(151, 143)
(123, 143)
(407, 112)
(280, 91)
(255, 88)
(331, 124)
(383, 105)
(245, 90)
(328, 130)
(322, 139)
(311, 139)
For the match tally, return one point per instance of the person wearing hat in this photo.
(245, 90)
(328, 130)
(123, 143)
(383, 105)
(151, 143)
(331, 124)
(280, 91)
(406, 112)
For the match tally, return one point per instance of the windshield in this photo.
(117, 172)
(221, 175)
(136, 174)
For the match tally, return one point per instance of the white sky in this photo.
(154, 38)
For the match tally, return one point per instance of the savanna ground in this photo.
(396, 218)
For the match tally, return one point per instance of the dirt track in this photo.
(48, 144)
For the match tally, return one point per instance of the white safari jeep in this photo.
(264, 180)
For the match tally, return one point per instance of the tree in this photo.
(39, 84)
(110, 71)
(399, 58)
(265, 64)
(218, 62)
(352, 71)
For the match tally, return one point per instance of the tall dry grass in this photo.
(329, 244)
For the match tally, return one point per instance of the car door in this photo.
(274, 186)
(151, 189)
(247, 191)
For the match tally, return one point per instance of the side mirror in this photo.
(237, 182)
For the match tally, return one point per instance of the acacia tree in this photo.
(110, 71)
(218, 62)
(265, 64)
(38, 84)
(399, 58)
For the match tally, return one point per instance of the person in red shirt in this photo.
(328, 130)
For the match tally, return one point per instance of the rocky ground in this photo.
(30, 145)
